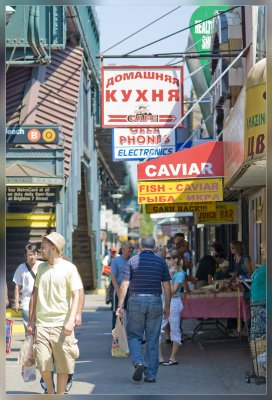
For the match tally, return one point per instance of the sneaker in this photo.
(68, 386)
(138, 373)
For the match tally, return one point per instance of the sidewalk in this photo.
(205, 366)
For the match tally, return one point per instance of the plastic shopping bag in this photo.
(29, 373)
(9, 323)
(119, 347)
(26, 356)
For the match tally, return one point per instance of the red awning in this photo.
(202, 161)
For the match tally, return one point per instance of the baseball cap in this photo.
(57, 239)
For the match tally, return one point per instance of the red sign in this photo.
(142, 97)
(202, 161)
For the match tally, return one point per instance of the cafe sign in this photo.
(180, 191)
(136, 96)
(180, 207)
(225, 213)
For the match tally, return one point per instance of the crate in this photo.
(257, 343)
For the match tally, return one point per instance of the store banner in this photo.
(225, 213)
(255, 114)
(180, 191)
(202, 27)
(180, 207)
(136, 96)
(140, 143)
(203, 161)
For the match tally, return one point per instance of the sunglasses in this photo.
(168, 258)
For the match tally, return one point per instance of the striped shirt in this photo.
(145, 272)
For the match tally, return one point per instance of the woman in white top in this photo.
(23, 278)
(178, 277)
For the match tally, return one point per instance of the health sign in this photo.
(180, 191)
(140, 143)
(180, 207)
(225, 213)
(134, 97)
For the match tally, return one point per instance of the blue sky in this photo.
(118, 22)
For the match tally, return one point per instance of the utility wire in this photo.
(190, 47)
(146, 26)
(202, 96)
(181, 30)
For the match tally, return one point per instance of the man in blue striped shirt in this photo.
(145, 274)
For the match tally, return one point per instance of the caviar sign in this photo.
(31, 134)
(142, 96)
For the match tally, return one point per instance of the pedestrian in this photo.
(205, 271)
(78, 322)
(145, 274)
(117, 267)
(241, 261)
(53, 309)
(178, 279)
(24, 278)
(7, 298)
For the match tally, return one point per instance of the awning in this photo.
(202, 161)
(249, 175)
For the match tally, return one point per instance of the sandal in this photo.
(170, 362)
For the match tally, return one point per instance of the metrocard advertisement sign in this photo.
(136, 96)
(203, 161)
(225, 213)
(180, 191)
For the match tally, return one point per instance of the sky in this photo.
(118, 22)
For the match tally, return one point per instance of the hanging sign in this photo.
(225, 213)
(32, 134)
(136, 96)
(139, 143)
(180, 191)
(180, 207)
(205, 160)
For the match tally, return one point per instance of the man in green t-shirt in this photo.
(53, 309)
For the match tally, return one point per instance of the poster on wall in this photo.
(137, 96)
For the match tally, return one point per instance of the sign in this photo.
(255, 115)
(134, 97)
(225, 213)
(205, 160)
(31, 194)
(202, 29)
(180, 191)
(233, 134)
(139, 143)
(180, 207)
(31, 134)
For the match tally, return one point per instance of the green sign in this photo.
(202, 33)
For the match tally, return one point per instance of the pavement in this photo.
(209, 365)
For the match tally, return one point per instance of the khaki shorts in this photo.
(52, 347)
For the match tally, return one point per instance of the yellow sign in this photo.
(180, 191)
(225, 213)
(255, 122)
(180, 207)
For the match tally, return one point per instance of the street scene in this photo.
(136, 154)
